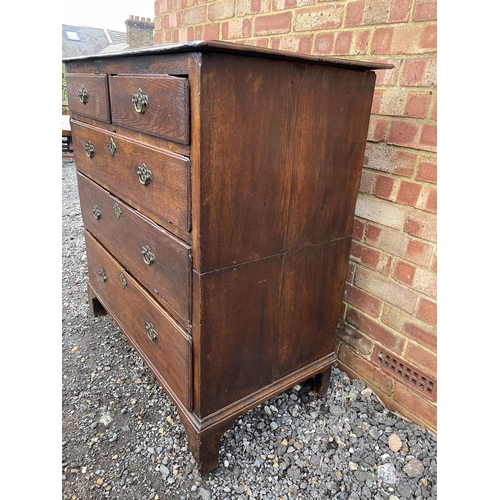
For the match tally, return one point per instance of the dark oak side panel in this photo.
(311, 300)
(243, 171)
(239, 328)
(282, 147)
(330, 116)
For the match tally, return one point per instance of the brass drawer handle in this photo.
(147, 255)
(111, 146)
(89, 149)
(117, 210)
(140, 101)
(103, 276)
(96, 212)
(123, 280)
(152, 333)
(83, 94)
(145, 175)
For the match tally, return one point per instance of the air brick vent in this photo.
(407, 374)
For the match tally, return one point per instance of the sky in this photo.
(107, 14)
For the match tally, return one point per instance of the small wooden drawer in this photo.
(154, 104)
(160, 342)
(155, 182)
(88, 95)
(156, 258)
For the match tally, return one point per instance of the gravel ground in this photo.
(122, 437)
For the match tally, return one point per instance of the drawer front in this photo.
(157, 105)
(151, 331)
(158, 260)
(88, 95)
(155, 182)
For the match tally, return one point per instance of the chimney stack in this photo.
(139, 32)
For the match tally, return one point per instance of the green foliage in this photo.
(64, 96)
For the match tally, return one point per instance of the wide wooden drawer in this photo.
(153, 181)
(164, 347)
(88, 95)
(157, 259)
(153, 104)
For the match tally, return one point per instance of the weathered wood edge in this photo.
(236, 48)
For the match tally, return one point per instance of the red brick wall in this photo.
(390, 294)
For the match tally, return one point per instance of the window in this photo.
(73, 35)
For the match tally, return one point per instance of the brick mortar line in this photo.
(424, 55)
(381, 226)
(416, 88)
(315, 7)
(342, 27)
(408, 119)
(294, 11)
(425, 121)
(378, 343)
(398, 177)
(393, 281)
(392, 266)
(313, 34)
(408, 209)
(408, 148)
(397, 333)
(366, 357)
(377, 318)
(362, 334)
(403, 148)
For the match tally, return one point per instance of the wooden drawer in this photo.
(160, 342)
(166, 113)
(88, 95)
(165, 198)
(156, 258)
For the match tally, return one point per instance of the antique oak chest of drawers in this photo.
(217, 185)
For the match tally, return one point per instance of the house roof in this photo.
(85, 41)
